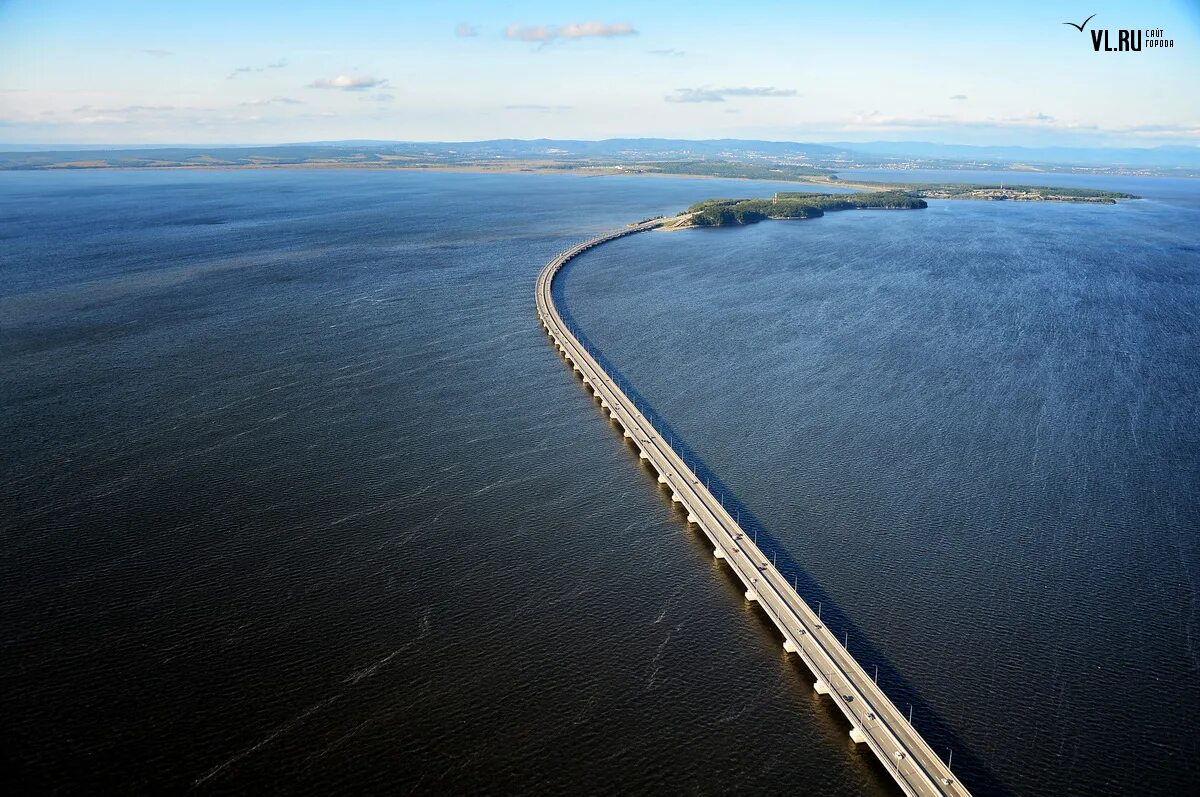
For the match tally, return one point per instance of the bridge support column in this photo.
(644, 455)
(790, 647)
(718, 553)
(612, 415)
(676, 498)
(692, 518)
(751, 596)
(820, 687)
(628, 433)
(857, 736)
(662, 479)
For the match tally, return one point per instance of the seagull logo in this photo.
(1081, 25)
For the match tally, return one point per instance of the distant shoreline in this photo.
(535, 167)
(544, 168)
(507, 168)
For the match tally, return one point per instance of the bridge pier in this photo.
(718, 553)
(662, 479)
(692, 518)
(752, 596)
(857, 736)
(644, 455)
(790, 647)
(820, 687)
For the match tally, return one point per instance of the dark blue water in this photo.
(296, 497)
(972, 433)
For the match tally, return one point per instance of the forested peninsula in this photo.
(807, 205)
(793, 205)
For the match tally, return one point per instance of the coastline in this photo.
(959, 191)
(507, 168)
(525, 167)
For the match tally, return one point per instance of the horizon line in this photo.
(47, 147)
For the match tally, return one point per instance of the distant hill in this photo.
(1166, 157)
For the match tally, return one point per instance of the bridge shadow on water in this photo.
(932, 726)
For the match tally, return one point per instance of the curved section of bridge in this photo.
(874, 719)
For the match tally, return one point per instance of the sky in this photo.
(136, 72)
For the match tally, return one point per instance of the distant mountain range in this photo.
(615, 152)
(643, 148)
(609, 148)
(1162, 157)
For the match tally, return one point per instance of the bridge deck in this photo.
(873, 717)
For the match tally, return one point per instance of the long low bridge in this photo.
(874, 719)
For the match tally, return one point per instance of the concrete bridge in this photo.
(874, 719)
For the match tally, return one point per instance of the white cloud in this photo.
(1031, 120)
(670, 51)
(1191, 131)
(572, 30)
(538, 107)
(580, 30)
(349, 83)
(125, 114)
(718, 95)
(464, 31)
(959, 97)
(242, 70)
(158, 53)
(272, 101)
